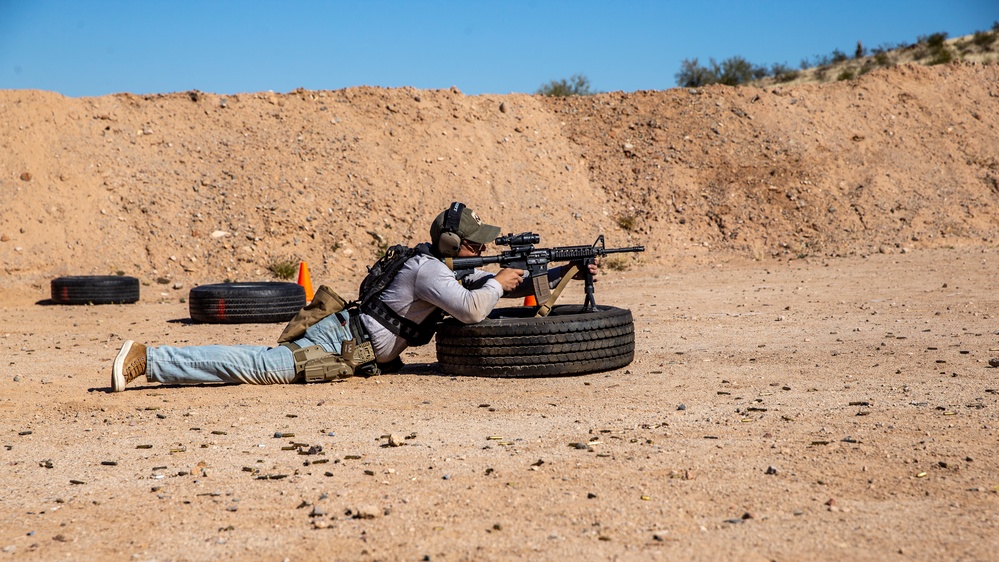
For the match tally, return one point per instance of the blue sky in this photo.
(98, 47)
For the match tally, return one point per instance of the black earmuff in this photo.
(450, 241)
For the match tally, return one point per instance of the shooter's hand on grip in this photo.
(509, 278)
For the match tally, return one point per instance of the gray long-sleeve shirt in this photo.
(424, 284)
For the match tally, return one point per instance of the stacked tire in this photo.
(512, 342)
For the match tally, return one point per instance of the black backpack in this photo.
(379, 277)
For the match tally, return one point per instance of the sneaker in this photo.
(129, 365)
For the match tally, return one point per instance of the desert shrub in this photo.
(783, 73)
(693, 75)
(789, 76)
(983, 39)
(936, 40)
(941, 56)
(283, 268)
(615, 263)
(928, 49)
(732, 71)
(576, 85)
(776, 69)
(735, 71)
(816, 61)
(626, 222)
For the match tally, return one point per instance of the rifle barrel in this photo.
(572, 253)
(628, 249)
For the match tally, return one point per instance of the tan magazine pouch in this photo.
(324, 303)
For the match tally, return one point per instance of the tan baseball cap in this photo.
(470, 227)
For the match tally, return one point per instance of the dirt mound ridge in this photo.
(901, 158)
(193, 187)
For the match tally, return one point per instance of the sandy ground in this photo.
(789, 410)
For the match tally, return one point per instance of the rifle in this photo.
(523, 255)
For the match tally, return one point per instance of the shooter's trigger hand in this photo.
(509, 278)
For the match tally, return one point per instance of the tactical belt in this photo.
(357, 356)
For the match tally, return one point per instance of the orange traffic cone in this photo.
(529, 300)
(305, 280)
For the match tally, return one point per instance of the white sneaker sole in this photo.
(118, 369)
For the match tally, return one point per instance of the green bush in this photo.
(928, 49)
(735, 71)
(941, 55)
(984, 39)
(693, 75)
(732, 71)
(846, 74)
(576, 85)
(626, 222)
(284, 268)
(616, 263)
(783, 72)
(936, 40)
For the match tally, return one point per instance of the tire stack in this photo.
(512, 342)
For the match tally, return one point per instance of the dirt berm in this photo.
(196, 187)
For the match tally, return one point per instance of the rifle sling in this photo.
(546, 307)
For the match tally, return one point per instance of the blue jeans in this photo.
(250, 364)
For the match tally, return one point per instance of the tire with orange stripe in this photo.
(246, 302)
(95, 289)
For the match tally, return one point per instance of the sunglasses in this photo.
(475, 246)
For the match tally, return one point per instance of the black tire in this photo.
(246, 302)
(513, 343)
(95, 289)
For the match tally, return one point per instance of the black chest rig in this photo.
(380, 276)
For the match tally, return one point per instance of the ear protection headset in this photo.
(449, 243)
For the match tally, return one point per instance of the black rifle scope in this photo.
(522, 239)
